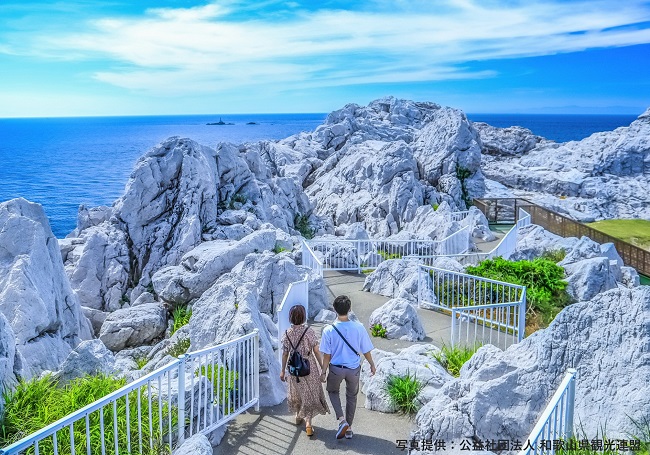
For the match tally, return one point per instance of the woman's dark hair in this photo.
(297, 315)
(342, 305)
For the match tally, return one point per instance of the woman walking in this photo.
(306, 396)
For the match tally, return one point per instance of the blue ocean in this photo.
(64, 162)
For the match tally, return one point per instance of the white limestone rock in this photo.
(533, 241)
(511, 141)
(7, 356)
(478, 225)
(603, 176)
(396, 278)
(589, 277)
(201, 266)
(416, 360)
(98, 265)
(326, 316)
(169, 199)
(134, 326)
(196, 445)
(630, 277)
(400, 319)
(89, 357)
(35, 294)
(500, 394)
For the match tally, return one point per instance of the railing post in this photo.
(358, 242)
(453, 325)
(181, 398)
(571, 398)
(522, 315)
(256, 368)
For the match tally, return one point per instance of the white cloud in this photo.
(194, 50)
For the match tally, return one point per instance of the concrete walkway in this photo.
(273, 430)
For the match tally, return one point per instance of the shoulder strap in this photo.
(346, 341)
(297, 344)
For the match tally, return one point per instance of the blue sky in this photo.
(81, 57)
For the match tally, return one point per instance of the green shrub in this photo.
(544, 280)
(278, 249)
(378, 330)
(301, 223)
(435, 206)
(37, 403)
(453, 358)
(403, 392)
(179, 348)
(386, 256)
(237, 197)
(181, 316)
(462, 174)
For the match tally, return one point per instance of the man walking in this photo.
(341, 345)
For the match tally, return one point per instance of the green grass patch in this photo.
(403, 392)
(277, 249)
(554, 255)
(636, 232)
(179, 348)
(644, 280)
(545, 285)
(223, 382)
(37, 403)
(141, 361)
(386, 256)
(378, 330)
(181, 316)
(453, 358)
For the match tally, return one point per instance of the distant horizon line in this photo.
(46, 117)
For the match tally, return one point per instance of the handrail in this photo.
(248, 344)
(564, 397)
(475, 277)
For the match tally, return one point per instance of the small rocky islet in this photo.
(200, 226)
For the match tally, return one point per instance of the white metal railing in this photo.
(556, 422)
(483, 310)
(340, 254)
(309, 259)
(459, 216)
(297, 294)
(504, 248)
(157, 410)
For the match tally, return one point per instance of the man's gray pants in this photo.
(334, 378)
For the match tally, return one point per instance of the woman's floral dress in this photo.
(306, 398)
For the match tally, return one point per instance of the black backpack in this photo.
(298, 366)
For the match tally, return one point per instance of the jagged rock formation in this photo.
(41, 317)
(400, 319)
(416, 361)
(500, 394)
(603, 176)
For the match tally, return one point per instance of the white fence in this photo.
(504, 248)
(482, 310)
(556, 422)
(158, 409)
(297, 294)
(459, 216)
(310, 260)
(361, 255)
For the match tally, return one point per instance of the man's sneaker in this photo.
(349, 434)
(343, 427)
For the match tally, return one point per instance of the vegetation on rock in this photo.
(403, 392)
(452, 358)
(37, 403)
(378, 330)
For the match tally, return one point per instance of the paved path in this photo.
(273, 431)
